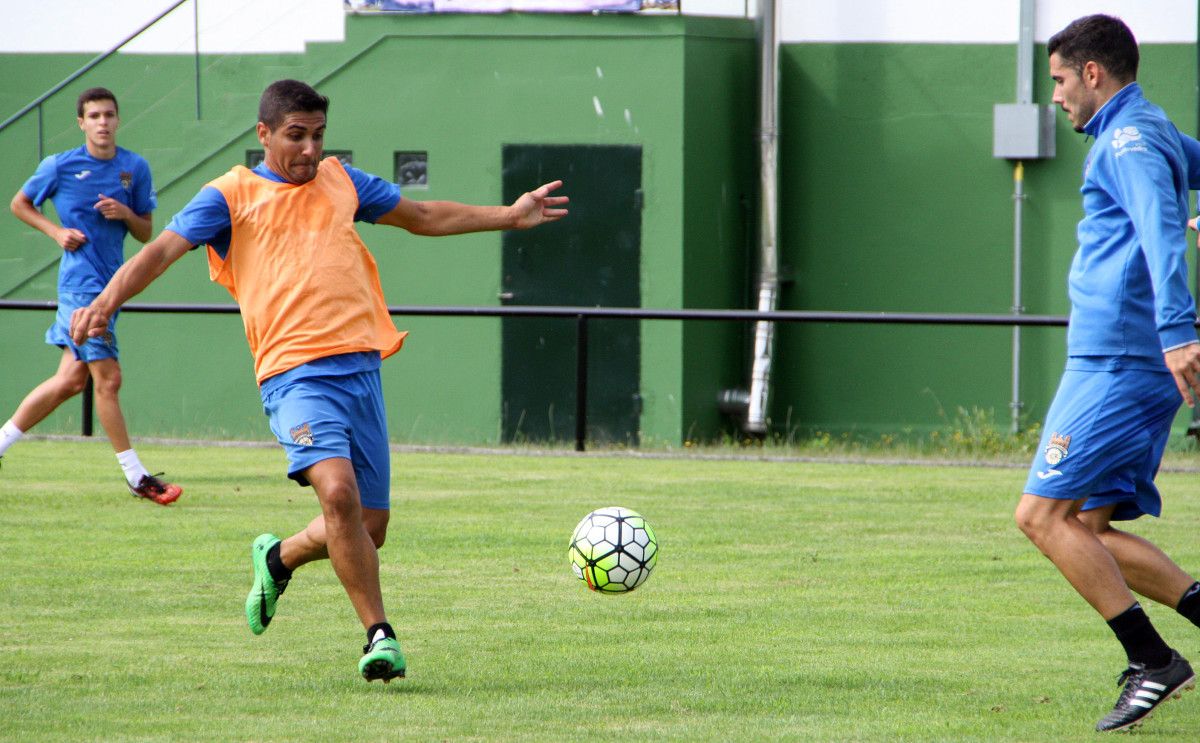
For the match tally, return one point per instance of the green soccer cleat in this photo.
(382, 660)
(260, 603)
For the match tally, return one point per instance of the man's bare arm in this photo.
(138, 272)
(67, 238)
(452, 218)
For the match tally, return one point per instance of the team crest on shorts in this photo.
(302, 435)
(126, 180)
(1057, 449)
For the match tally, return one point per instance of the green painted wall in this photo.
(892, 201)
(720, 215)
(458, 87)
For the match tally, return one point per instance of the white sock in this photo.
(9, 435)
(133, 467)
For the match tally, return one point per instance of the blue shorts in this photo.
(318, 418)
(1104, 438)
(93, 349)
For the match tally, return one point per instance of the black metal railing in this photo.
(583, 315)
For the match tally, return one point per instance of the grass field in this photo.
(792, 601)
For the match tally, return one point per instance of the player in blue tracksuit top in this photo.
(1128, 284)
(1133, 356)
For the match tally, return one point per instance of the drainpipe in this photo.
(768, 286)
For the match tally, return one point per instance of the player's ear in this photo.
(264, 133)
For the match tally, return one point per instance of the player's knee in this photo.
(106, 380)
(339, 501)
(1030, 520)
(108, 387)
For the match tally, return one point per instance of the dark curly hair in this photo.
(1102, 39)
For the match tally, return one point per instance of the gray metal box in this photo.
(1023, 131)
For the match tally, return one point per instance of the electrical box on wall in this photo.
(1023, 131)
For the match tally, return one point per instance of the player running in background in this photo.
(1133, 355)
(281, 239)
(101, 193)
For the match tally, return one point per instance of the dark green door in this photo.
(590, 258)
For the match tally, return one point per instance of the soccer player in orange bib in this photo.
(281, 239)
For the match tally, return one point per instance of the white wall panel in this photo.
(248, 26)
(242, 26)
(974, 21)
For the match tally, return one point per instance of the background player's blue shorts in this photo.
(1118, 423)
(318, 418)
(93, 349)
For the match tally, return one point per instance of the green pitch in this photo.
(791, 601)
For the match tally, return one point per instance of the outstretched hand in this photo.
(1194, 223)
(538, 206)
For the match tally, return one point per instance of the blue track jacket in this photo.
(1128, 282)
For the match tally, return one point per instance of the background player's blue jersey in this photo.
(1128, 282)
(73, 181)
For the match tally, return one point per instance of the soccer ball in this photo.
(613, 550)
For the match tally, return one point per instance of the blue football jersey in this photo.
(74, 181)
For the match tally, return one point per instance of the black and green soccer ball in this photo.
(613, 550)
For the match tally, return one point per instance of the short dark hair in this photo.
(1103, 39)
(95, 94)
(284, 97)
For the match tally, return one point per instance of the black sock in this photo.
(275, 566)
(1141, 641)
(1189, 605)
(387, 631)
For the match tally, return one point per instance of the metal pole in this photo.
(1017, 307)
(1025, 53)
(1024, 95)
(196, 41)
(581, 375)
(620, 313)
(87, 406)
